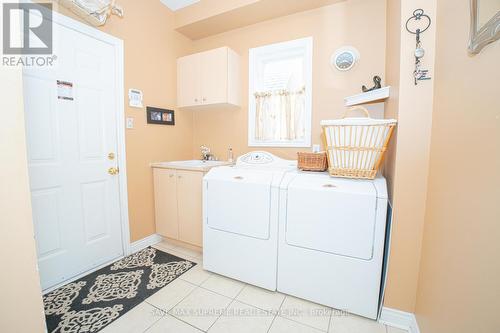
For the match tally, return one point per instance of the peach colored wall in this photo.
(459, 286)
(151, 49)
(345, 23)
(392, 73)
(408, 163)
(21, 305)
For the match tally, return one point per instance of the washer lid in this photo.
(331, 215)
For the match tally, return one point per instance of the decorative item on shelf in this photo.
(423, 20)
(377, 80)
(344, 58)
(312, 161)
(160, 116)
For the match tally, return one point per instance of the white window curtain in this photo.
(279, 115)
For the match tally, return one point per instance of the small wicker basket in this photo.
(312, 161)
(356, 146)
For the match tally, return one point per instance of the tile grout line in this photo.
(276, 315)
(257, 307)
(156, 321)
(216, 320)
(182, 256)
(195, 288)
(296, 321)
(198, 285)
(173, 316)
(232, 301)
(330, 320)
(239, 292)
(185, 322)
(166, 312)
(176, 248)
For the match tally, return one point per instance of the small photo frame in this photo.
(160, 116)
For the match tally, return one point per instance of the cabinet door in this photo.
(189, 200)
(165, 189)
(214, 76)
(188, 80)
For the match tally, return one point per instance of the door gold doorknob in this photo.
(113, 171)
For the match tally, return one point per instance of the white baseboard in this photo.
(145, 242)
(399, 319)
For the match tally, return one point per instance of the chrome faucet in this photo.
(206, 155)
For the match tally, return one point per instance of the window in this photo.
(280, 94)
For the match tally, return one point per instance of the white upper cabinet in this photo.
(188, 80)
(209, 78)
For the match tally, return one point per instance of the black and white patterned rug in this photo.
(94, 301)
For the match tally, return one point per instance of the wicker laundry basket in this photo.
(356, 146)
(312, 161)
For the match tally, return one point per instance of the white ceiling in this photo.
(178, 4)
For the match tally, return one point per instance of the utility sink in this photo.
(195, 165)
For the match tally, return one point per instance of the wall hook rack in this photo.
(416, 25)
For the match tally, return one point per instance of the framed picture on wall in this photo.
(160, 116)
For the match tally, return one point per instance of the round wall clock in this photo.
(344, 58)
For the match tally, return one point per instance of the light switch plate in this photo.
(130, 122)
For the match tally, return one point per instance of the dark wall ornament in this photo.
(377, 81)
(416, 25)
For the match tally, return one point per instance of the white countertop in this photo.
(193, 165)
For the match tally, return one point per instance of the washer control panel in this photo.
(257, 157)
(264, 159)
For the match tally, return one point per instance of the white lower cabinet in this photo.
(178, 204)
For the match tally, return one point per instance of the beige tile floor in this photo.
(200, 301)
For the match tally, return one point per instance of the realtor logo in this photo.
(36, 28)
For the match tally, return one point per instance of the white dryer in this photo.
(331, 242)
(240, 218)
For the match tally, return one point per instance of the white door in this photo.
(76, 201)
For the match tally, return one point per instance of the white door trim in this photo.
(120, 113)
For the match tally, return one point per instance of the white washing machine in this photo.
(240, 218)
(331, 240)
